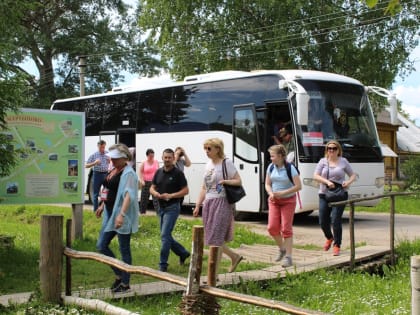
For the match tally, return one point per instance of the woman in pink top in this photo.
(147, 170)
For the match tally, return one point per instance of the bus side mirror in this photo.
(302, 99)
(392, 101)
(302, 106)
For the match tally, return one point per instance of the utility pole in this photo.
(77, 208)
(82, 67)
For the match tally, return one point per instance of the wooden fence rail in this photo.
(52, 251)
(194, 275)
(351, 203)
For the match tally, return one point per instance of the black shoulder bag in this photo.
(337, 193)
(233, 193)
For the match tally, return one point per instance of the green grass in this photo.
(23, 222)
(403, 205)
(331, 291)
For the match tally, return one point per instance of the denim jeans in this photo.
(105, 219)
(98, 178)
(168, 217)
(328, 216)
(125, 250)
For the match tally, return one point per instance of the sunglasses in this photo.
(332, 148)
(207, 148)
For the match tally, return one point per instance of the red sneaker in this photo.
(336, 250)
(327, 244)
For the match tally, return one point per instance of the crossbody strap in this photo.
(224, 169)
(328, 169)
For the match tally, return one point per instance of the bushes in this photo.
(411, 169)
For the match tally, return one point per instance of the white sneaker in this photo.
(287, 262)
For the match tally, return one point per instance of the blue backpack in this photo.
(288, 170)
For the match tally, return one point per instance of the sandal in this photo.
(235, 263)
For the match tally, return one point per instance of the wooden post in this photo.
(392, 230)
(77, 228)
(196, 262)
(212, 265)
(415, 285)
(68, 259)
(352, 245)
(51, 257)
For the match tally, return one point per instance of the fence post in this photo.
(51, 257)
(77, 227)
(415, 285)
(392, 230)
(196, 262)
(68, 259)
(213, 265)
(352, 241)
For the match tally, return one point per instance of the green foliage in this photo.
(13, 92)
(411, 169)
(56, 33)
(393, 5)
(344, 37)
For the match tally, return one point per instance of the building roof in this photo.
(408, 135)
(385, 117)
(387, 151)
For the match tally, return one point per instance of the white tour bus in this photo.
(244, 110)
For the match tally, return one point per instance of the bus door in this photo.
(128, 137)
(247, 156)
(271, 118)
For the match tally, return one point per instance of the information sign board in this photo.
(51, 157)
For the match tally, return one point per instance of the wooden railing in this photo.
(51, 269)
(352, 202)
(52, 251)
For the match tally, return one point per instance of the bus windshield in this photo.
(338, 111)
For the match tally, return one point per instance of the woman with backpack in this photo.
(281, 192)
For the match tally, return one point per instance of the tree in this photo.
(55, 33)
(14, 92)
(411, 172)
(393, 5)
(344, 37)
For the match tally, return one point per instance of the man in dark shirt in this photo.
(169, 186)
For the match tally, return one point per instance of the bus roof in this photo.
(153, 83)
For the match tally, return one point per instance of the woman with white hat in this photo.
(121, 215)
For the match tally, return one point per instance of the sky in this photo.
(408, 89)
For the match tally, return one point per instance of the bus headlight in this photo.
(379, 182)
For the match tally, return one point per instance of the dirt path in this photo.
(370, 229)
